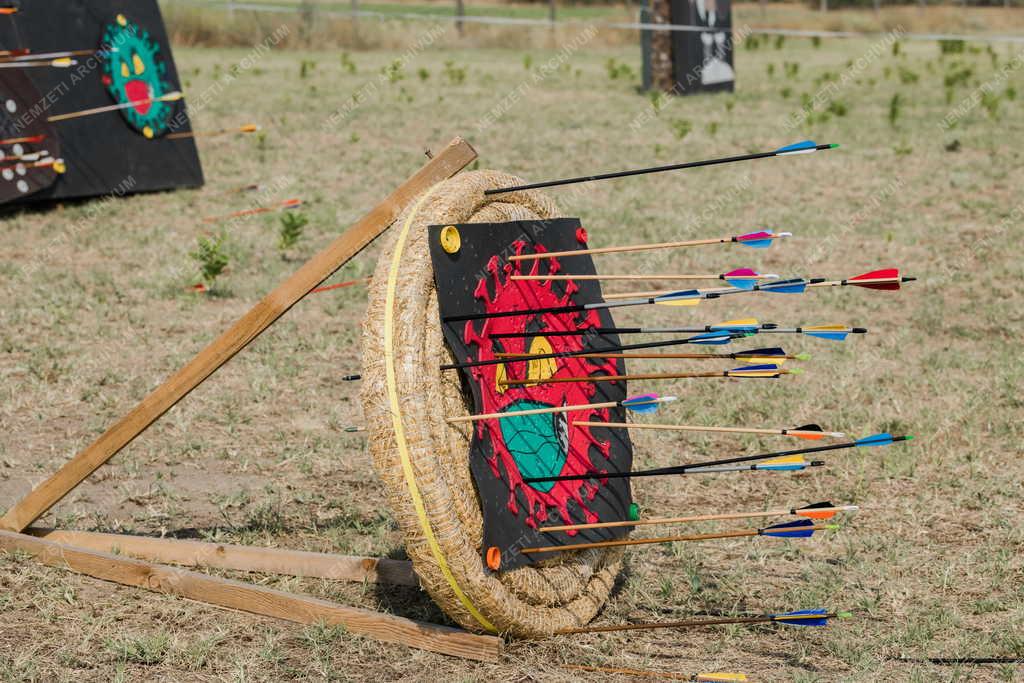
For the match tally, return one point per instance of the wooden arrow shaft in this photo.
(533, 411)
(700, 428)
(739, 533)
(113, 107)
(447, 163)
(652, 276)
(692, 518)
(630, 247)
(616, 378)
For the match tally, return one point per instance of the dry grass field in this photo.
(96, 312)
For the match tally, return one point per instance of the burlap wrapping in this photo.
(526, 602)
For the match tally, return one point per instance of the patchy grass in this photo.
(98, 311)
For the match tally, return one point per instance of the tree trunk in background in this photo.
(661, 47)
(460, 11)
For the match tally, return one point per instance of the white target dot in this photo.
(17, 150)
(22, 186)
(8, 174)
(20, 169)
(12, 106)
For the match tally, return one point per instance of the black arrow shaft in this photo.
(640, 171)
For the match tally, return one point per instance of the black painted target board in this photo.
(475, 277)
(118, 152)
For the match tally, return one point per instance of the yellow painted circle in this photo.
(59, 167)
(451, 241)
(122, 20)
(148, 132)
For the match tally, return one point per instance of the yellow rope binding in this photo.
(396, 417)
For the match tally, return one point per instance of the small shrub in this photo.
(393, 71)
(895, 105)
(617, 70)
(211, 256)
(423, 74)
(347, 64)
(455, 74)
(681, 128)
(527, 62)
(290, 232)
(816, 42)
(951, 46)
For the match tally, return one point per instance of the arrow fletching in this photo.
(802, 147)
(743, 278)
(765, 371)
(789, 463)
(711, 338)
(802, 528)
(759, 240)
(794, 286)
(646, 403)
(686, 297)
(833, 332)
(743, 325)
(882, 439)
(811, 432)
(807, 617)
(769, 355)
(824, 510)
(892, 274)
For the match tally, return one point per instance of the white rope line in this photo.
(628, 26)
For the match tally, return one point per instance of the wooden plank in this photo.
(246, 597)
(447, 163)
(239, 557)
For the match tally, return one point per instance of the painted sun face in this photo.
(546, 444)
(134, 72)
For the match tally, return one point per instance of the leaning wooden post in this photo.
(456, 156)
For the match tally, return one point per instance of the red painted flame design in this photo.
(526, 295)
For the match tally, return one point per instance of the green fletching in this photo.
(909, 438)
(803, 356)
(844, 615)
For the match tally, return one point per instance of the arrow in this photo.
(804, 147)
(761, 239)
(823, 510)
(742, 325)
(58, 165)
(60, 63)
(644, 403)
(27, 55)
(30, 139)
(341, 285)
(722, 337)
(741, 278)
(247, 128)
(807, 617)
(169, 97)
(285, 205)
(769, 355)
(887, 278)
(791, 463)
(685, 297)
(831, 332)
(883, 439)
(31, 156)
(802, 528)
(769, 371)
(715, 677)
(810, 432)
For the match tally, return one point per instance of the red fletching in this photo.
(892, 274)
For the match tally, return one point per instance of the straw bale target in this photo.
(422, 459)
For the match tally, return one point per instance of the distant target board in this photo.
(89, 94)
(691, 60)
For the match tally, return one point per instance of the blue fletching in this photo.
(682, 294)
(643, 403)
(797, 146)
(744, 283)
(835, 336)
(783, 467)
(711, 338)
(768, 367)
(823, 621)
(799, 529)
(795, 286)
(883, 439)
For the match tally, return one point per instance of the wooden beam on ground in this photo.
(246, 597)
(453, 158)
(239, 557)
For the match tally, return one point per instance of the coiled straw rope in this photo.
(423, 460)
